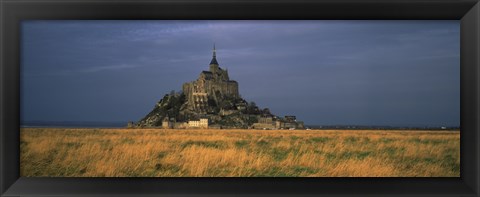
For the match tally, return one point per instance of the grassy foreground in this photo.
(237, 153)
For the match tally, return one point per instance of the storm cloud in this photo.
(399, 73)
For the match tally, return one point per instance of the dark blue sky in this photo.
(324, 72)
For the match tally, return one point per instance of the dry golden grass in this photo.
(238, 153)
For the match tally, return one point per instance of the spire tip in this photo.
(214, 50)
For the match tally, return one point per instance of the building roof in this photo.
(214, 61)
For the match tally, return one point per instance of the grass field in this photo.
(49, 152)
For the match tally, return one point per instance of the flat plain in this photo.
(67, 152)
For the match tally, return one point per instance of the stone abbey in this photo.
(212, 101)
(213, 84)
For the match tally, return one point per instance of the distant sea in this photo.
(123, 124)
(382, 127)
(73, 124)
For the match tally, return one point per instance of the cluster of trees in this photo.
(254, 109)
(230, 103)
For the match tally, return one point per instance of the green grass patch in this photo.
(430, 160)
(241, 143)
(279, 154)
(262, 143)
(161, 155)
(73, 144)
(386, 140)
(348, 155)
(390, 151)
(127, 141)
(363, 155)
(272, 172)
(350, 140)
(297, 170)
(294, 137)
(208, 144)
(366, 140)
(428, 141)
(167, 168)
(319, 139)
(331, 156)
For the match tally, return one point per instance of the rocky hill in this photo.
(213, 96)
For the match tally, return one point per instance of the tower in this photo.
(214, 63)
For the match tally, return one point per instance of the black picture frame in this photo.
(12, 12)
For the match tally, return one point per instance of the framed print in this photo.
(239, 98)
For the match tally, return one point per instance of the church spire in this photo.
(214, 51)
(214, 59)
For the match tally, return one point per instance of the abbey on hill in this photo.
(214, 85)
(212, 101)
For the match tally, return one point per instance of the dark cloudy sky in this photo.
(324, 72)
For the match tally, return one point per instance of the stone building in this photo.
(202, 123)
(167, 123)
(213, 84)
(180, 125)
(279, 124)
(288, 122)
(290, 118)
(130, 124)
(264, 123)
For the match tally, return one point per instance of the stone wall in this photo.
(263, 126)
(215, 83)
